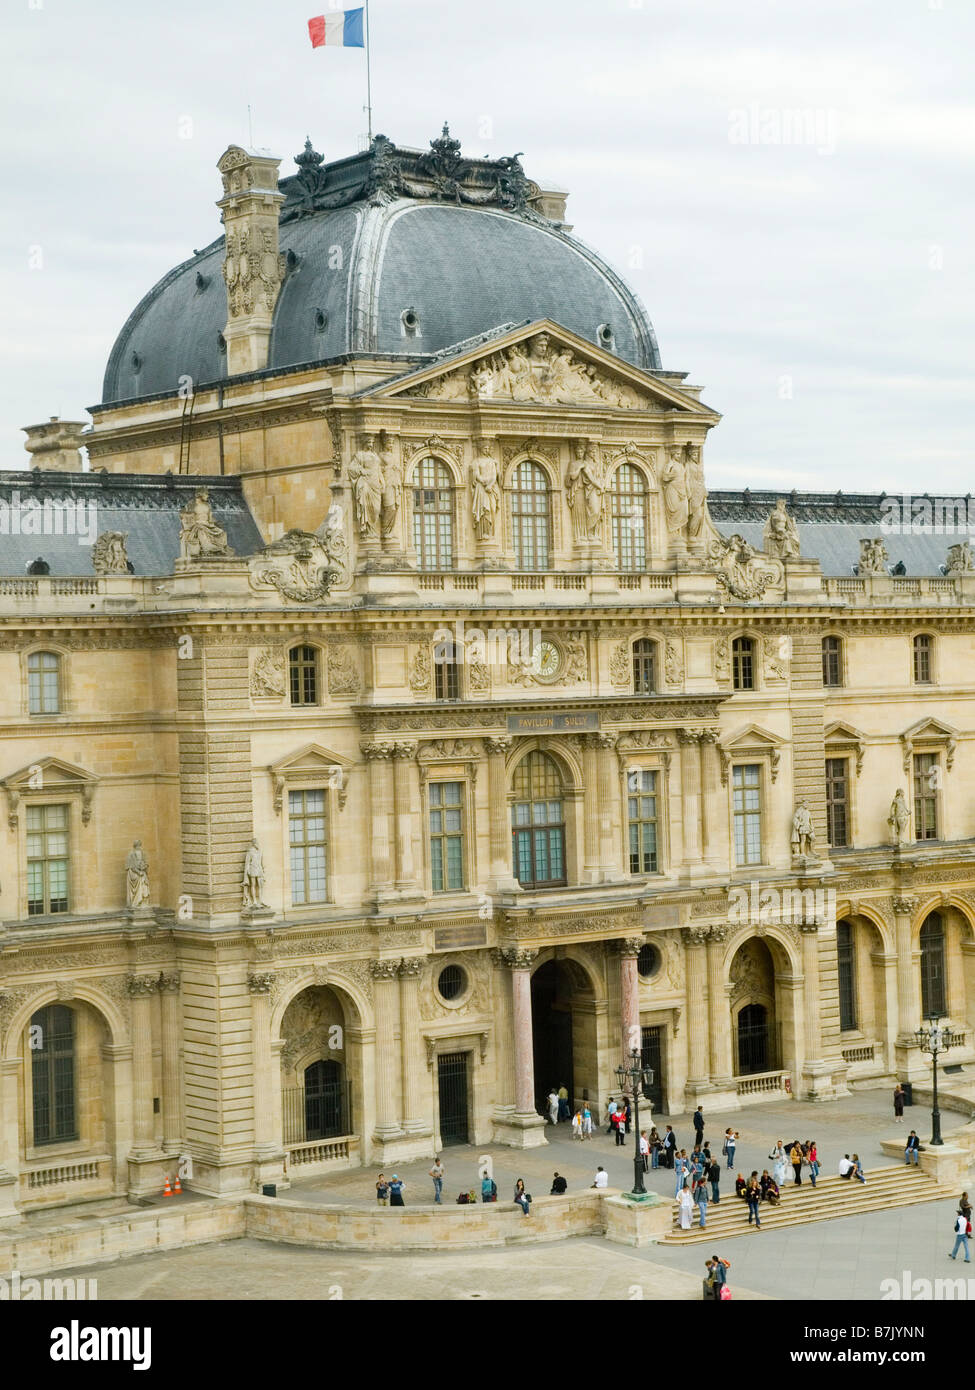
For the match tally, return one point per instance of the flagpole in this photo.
(368, 75)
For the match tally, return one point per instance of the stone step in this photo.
(831, 1198)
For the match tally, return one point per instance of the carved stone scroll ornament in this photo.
(298, 566)
(740, 569)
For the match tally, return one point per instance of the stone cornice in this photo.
(491, 714)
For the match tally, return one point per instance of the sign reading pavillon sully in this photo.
(579, 721)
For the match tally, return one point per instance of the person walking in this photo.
(522, 1198)
(553, 1107)
(730, 1142)
(627, 1114)
(680, 1172)
(753, 1195)
(577, 1125)
(898, 1104)
(813, 1162)
(437, 1173)
(795, 1158)
(780, 1168)
(698, 1127)
(586, 1122)
(610, 1112)
(619, 1124)
(563, 1094)
(669, 1146)
(701, 1197)
(965, 1206)
(717, 1276)
(714, 1178)
(913, 1146)
(685, 1205)
(382, 1191)
(396, 1191)
(963, 1229)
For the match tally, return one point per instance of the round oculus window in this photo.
(451, 982)
(648, 962)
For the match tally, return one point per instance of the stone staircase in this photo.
(832, 1196)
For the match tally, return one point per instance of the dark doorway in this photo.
(552, 988)
(452, 1086)
(653, 1056)
(755, 1043)
(323, 1100)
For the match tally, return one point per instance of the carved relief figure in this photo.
(108, 554)
(343, 673)
(136, 877)
(267, 678)
(781, 535)
(199, 534)
(576, 661)
(545, 372)
(802, 832)
(873, 556)
(899, 820)
(368, 484)
(674, 485)
(485, 491)
(253, 880)
(584, 491)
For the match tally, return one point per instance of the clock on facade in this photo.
(547, 661)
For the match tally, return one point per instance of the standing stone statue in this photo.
(108, 554)
(802, 832)
(584, 491)
(960, 559)
(873, 556)
(697, 494)
(368, 482)
(253, 880)
(136, 877)
(199, 534)
(674, 483)
(392, 486)
(781, 536)
(899, 820)
(485, 491)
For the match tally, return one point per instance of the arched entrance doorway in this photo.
(563, 1032)
(755, 1034)
(317, 1066)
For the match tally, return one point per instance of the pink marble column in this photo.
(520, 963)
(629, 995)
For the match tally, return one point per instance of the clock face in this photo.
(547, 661)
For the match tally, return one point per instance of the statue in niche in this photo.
(136, 877)
(803, 836)
(485, 491)
(253, 880)
(199, 534)
(899, 820)
(584, 491)
(368, 484)
(781, 535)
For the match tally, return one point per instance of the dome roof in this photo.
(387, 274)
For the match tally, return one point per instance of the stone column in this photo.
(411, 1045)
(789, 1013)
(630, 1036)
(719, 1013)
(609, 855)
(908, 976)
(385, 973)
(501, 878)
(10, 1071)
(697, 1013)
(816, 1072)
(265, 1125)
(711, 805)
(591, 807)
(407, 800)
(140, 989)
(380, 805)
(887, 1029)
(526, 1128)
(690, 779)
(504, 1107)
(169, 1024)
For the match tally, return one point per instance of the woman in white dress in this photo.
(577, 1125)
(780, 1170)
(686, 1208)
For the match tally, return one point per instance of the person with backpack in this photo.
(489, 1190)
(963, 1229)
(717, 1278)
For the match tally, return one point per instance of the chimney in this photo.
(253, 267)
(55, 445)
(551, 204)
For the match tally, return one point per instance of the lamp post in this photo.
(934, 1040)
(632, 1078)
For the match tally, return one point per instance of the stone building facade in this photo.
(467, 741)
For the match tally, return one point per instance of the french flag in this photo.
(342, 29)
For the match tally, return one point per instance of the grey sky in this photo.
(816, 277)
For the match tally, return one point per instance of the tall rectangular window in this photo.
(446, 672)
(303, 675)
(847, 976)
(47, 860)
(52, 1074)
(743, 663)
(832, 669)
(837, 802)
(447, 836)
(926, 779)
(747, 794)
(307, 842)
(43, 683)
(644, 666)
(642, 821)
(922, 659)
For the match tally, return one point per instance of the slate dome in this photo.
(392, 252)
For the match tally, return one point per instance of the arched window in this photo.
(44, 683)
(847, 974)
(832, 661)
(629, 512)
(323, 1100)
(433, 515)
(743, 663)
(933, 1003)
(303, 675)
(644, 666)
(52, 1054)
(538, 822)
(530, 519)
(923, 651)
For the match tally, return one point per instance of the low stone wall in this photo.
(478, 1226)
(108, 1238)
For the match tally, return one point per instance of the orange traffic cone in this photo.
(167, 1190)
(178, 1189)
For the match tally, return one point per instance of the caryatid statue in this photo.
(802, 832)
(391, 485)
(584, 491)
(368, 483)
(199, 534)
(253, 880)
(673, 481)
(899, 820)
(781, 535)
(136, 877)
(485, 491)
(697, 494)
